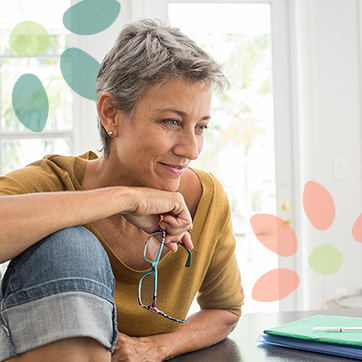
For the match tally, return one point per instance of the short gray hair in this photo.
(147, 53)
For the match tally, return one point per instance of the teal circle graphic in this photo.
(30, 102)
(80, 71)
(91, 16)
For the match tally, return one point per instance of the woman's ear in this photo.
(108, 113)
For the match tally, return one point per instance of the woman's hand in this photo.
(152, 209)
(143, 349)
(202, 329)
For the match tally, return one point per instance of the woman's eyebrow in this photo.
(180, 113)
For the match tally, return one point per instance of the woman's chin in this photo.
(171, 186)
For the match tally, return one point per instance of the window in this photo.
(19, 145)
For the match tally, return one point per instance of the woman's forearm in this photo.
(202, 329)
(26, 219)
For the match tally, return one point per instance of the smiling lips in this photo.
(174, 168)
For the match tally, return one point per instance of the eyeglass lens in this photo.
(153, 246)
(147, 289)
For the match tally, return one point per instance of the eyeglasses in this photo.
(147, 286)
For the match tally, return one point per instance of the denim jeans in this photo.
(61, 287)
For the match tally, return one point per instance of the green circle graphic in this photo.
(29, 39)
(326, 259)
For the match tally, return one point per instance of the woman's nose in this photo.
(189, 145)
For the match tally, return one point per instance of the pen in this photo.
(337, 329)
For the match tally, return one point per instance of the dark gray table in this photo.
(242, 346)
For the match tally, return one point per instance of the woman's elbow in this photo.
(233, 323)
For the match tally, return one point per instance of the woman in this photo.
(59, 298)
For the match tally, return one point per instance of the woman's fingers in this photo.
(186, 239)
(155, 207)
(177, 230)
(175, 225)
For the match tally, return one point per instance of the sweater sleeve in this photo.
(221, 287)
(41, 176)
(50, 174)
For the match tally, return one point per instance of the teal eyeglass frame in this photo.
(154, 263)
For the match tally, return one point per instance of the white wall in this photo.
(327, 79)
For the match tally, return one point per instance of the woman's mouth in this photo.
(174, 168)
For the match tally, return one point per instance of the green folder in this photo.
(300, 335)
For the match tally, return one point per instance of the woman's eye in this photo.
(203, 127)
(172, 122)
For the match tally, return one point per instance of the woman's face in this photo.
(165, 132)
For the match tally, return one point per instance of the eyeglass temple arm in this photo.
(188, 262)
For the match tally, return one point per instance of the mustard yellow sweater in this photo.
(213, 276)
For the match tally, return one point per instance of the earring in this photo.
(111, 133)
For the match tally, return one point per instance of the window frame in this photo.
(83, 134)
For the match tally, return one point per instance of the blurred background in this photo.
(292, 115)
